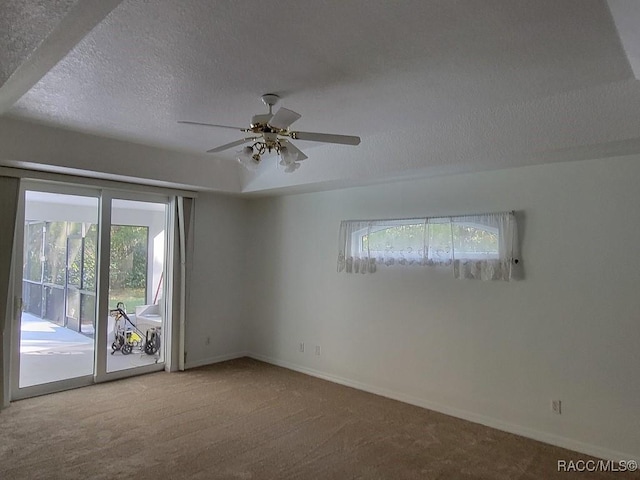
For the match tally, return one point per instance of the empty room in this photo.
(331, 239)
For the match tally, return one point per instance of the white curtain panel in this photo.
(185, 224)
(352, 256)
(483, 246)
(484, 265)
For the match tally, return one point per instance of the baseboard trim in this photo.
(558, 441)
(216, 359)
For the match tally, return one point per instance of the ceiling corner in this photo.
(626, 15)
(27, 66)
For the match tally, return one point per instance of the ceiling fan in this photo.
(271, 134)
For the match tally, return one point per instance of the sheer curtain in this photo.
(353, 257)
(439, 247)
(482, 264)
(480, 246)
(9, 189)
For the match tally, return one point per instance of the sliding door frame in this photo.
(104, 249)
(105, 195)
(18, 252)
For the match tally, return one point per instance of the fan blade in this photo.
(295, 152)
(326, 138)
(209, 125)
(230, 145)
(283, 118)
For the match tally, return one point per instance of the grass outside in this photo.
(131, 297)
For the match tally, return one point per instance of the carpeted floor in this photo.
(244, 419)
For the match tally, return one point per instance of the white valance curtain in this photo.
(483, 246)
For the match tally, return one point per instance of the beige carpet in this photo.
(244, 419)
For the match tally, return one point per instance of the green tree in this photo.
(128, 263)
(90, 255)
(55, 252)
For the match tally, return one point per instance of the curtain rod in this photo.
(511, 212)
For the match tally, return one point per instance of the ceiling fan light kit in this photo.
(247, 160)
(271, 135)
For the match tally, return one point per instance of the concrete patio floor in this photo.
(49, 353)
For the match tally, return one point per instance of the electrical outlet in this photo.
(318, 350)
(556, 406)
(301, 347)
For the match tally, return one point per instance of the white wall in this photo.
(74, 153)
(217, 299)
(492, 352)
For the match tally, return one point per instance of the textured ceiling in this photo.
(23, 26)
(432, 87)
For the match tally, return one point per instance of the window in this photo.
(477, 246)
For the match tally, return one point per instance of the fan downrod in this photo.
(270, 99)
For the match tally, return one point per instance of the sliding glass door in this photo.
(136, 294)
(56, 334)
(93, 287)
